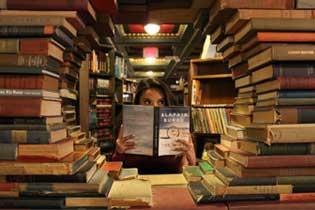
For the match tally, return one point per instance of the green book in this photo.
(192, 173)
(205, 167)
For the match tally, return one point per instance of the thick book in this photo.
(259, 148)
(88, 202)
(287, 133)
(130, 193)
(305, 4)
(84, 175)
(215, 159)
(273, 24)
(273, 161)
(29, 93)
(227, 176)
(32, 107)
(44, 82)
(284, 115)
(243, 81)
(285, 102)
(192, 173)
(43, 121)
(27, 202)
(236, 132)
(9, 190)
(222, 10)
(217, 187)
(166, 180)
(240, 70)
(85, 8)
(283, 52)
(51, 31)
(242, 16)
(303, 69)
(241, 171)
(67, 166)
(276, 205)
(206, 167)
(286, 83)
(201, 195)
(26, 63)
(33, 20)
(225, 43)
(162, 127)
(32, 136)
(55, 151)
(113, 168)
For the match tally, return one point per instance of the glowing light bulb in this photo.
(152, 28)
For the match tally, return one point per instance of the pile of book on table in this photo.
(268, 152)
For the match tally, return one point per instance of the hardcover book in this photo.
(156, 129)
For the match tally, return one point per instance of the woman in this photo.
(153, 92)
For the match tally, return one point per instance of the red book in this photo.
(113, 168)
(298, 197)
(29, 107)
(274, 205)
(285, 36)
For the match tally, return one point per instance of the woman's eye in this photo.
(147, 102)
(161, 102)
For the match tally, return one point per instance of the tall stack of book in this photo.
(39, 64)
(268, 153)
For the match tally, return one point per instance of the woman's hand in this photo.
(187, 149)
(124, 143)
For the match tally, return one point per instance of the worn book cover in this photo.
(156, 129)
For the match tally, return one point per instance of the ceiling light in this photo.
(150, 60)
(152, 28)
(150, 73)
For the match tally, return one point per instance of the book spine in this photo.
(51, 5)
(8, 151)
(32, 203)
(21, 82)
(294, 70)
(296, 94)
(11, 107)
(26, 31)
(156, 131)
(34, 46)
(305, 4)
(283, 149)
(296, 82)
(25, 136)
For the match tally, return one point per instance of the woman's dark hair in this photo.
(157, 84)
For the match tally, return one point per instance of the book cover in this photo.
(162, 127)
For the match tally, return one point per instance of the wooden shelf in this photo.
(100, 75)
(214, 76)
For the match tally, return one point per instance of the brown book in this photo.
(273, 161)
(246, 100)
(9, 190)
(216, 187)
(284, 115)
(279, 37)
(285, 102)
(243, 172)
(218, 35)
(287, 133)
(229, 142)
(80, 202)
(236, 132)
(215, 159)
(245, 109)
(236, 60)
(231, 51)
(67, 166)
(242, 16)
(285, 52)
(303, 69)
(54, 151)
(222, 10)
(286, 83)
(298, 197)
(241, 119)
(43, 81)
(221, 150)
(273, 24)
(31, 20)
(32, 107)
(9, 46)
(225, 43)
(85, 8)
(243, 81)
(240, 70)
(45, 47)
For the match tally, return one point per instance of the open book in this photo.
(156, 129)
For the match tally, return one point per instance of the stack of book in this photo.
(269, 153)
(39, 68)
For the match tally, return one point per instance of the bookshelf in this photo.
(101, 96)
(129, 90)
(211, 93)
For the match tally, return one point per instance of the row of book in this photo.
(267, 152)
(210, 120)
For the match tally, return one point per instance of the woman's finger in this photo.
(126, 138)
(129, 143)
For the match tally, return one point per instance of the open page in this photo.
(138, 121)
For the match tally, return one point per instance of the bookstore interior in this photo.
(158, 104)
